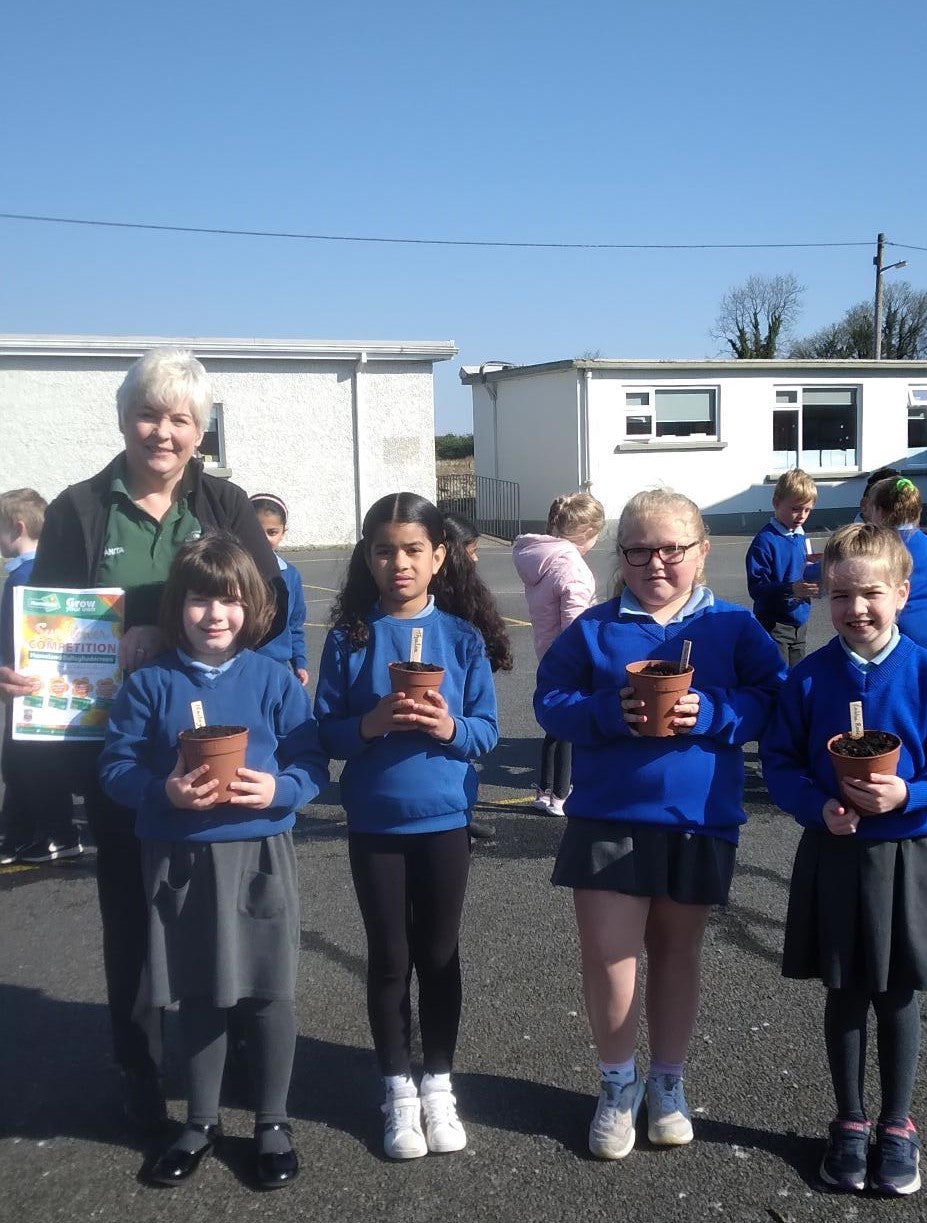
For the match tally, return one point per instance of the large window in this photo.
(815, 428)
(212, 447)
(917, 419)
(671, 412)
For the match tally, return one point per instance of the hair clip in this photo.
(903, 483)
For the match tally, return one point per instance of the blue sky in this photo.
(597, 122)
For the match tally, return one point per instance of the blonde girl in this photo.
(653, 823)
(896, 503)
(559, 586)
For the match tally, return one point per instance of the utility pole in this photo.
(877, 310)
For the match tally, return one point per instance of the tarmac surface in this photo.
(525, 1075)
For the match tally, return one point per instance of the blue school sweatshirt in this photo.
(774, 561)
(153, 706)
(289, 646)
(691, 782)
(912, 619)
(406, 781)
(814, 706)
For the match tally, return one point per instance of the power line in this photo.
(307, 237)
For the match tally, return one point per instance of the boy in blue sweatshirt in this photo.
(776, 561)
(38, 813)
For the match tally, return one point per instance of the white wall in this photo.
(537, 431)
(538, 436)
(290, 428)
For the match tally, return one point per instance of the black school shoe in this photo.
(48, 850)
(276, 1169)
(9, 851)
(893, 1168)
(177, 1165)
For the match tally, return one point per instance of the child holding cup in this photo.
(411, 597)
(858, 897)
(653, 820)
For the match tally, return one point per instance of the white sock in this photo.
(435, 1082)
(619, 1073)
(399, 1085)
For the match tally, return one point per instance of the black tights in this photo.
(270, 1030)
(556, 765)
(898, 1037)
(410, 889)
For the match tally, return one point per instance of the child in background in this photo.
(464, 531)
(38, 814)
(896, 503)
(407, 787)
(776, 562)
(881, 473)
(652, 823)
(289, 646)
(559, 586)
(220, 875)
(857, 916)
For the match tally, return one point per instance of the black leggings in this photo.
(269, 1027)
(410, 889)
(556, 765)
(898, 1037)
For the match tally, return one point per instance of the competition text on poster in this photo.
(68, 640)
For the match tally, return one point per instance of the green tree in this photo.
(904, 329)
(453, 445)
(753, 318)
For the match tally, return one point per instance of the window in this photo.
(917, 419)
(671, 412)
(815, 427)
(212, 447)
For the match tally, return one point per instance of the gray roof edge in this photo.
(229, 348)
(470, 374)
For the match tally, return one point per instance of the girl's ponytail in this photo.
(458, 588)
(356, 599)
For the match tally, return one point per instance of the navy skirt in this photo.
(645, 860)
(858, 912)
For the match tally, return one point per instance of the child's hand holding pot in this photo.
(183, 792)
(433, 717)
(392, 712)
(841, 821)
(881, 793)
(253, 789)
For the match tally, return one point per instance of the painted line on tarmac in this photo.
(329, 589)
(517, 623)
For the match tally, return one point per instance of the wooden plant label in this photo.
(684, 657)
(856, 719)
(196, 712)
(415, 649)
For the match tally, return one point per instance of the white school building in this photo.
(329, 425)
(719, 431)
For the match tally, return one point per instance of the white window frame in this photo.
(796, 458)
(649, 409)
(210, 460)
(917, 410)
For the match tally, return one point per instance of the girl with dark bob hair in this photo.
(219, 869)
(408, 788)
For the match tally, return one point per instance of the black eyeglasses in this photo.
(669, 554)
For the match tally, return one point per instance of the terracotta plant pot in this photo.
(862, 767)
(222, 748)
(659, 692)
(415, 678)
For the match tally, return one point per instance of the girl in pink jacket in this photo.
(558, 586)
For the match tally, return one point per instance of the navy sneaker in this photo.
(48, 850)
(894, 1166)
(845, 1159)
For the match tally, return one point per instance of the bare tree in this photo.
(754, 317)
(904, 329)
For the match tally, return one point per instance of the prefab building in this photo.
(721, 432)
(330, 426)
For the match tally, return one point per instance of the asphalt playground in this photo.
(525, 1074)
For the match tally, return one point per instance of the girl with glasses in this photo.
(652, 822)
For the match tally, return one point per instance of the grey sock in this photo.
(272, 1139)
(192, 1139)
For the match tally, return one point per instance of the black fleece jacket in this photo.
(71, 545)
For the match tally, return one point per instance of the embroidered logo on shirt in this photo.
(116, 551)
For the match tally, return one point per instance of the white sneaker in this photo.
(611, 1134)
(668, 1123)
(402, 1134)
(556, 805)
(541, 800)
(443, 1130)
